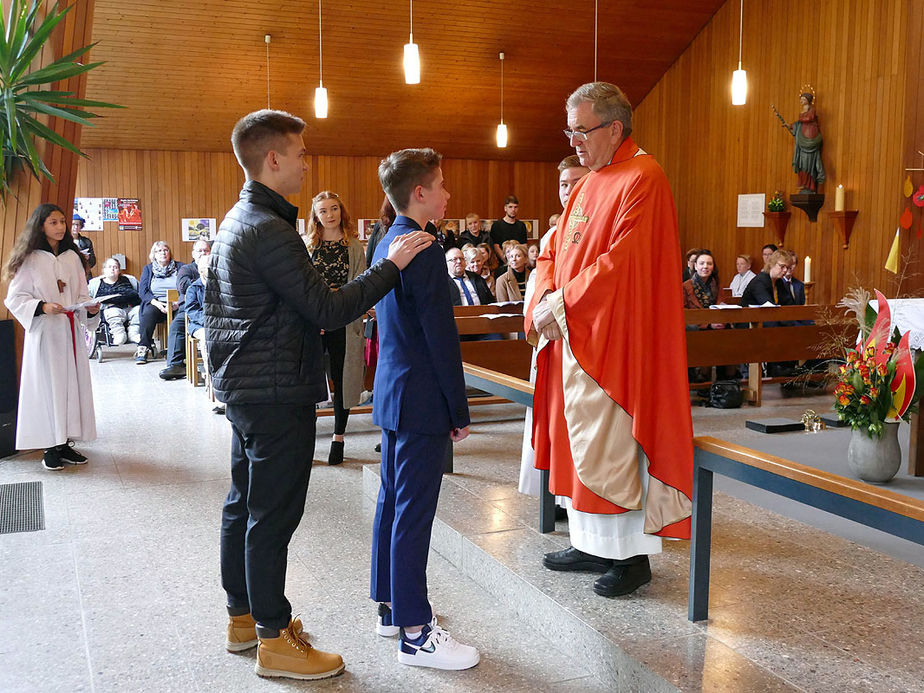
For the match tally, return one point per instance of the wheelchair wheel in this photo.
(98, 353)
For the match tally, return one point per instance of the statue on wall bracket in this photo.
(806, 157)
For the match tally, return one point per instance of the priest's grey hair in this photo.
(609, 103)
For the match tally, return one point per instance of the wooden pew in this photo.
(765, 344)
(873, 506)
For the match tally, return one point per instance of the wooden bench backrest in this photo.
(759, 343)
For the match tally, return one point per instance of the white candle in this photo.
(807, 273)
(839, 199)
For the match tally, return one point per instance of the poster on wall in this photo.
(532, 228)
(91, 209)
(110, 209)
(751, 210)
(199, 229)
(129, 214)
(364, 229)
(300, 226)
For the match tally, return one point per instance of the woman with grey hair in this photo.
(156, 279)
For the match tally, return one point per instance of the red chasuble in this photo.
(617, 382)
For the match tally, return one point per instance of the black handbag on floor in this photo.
(725, 394)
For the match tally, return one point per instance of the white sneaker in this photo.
(141, 355)
(435, 648)
(386, 628)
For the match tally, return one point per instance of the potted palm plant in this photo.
(27, 99)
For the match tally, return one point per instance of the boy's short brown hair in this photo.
(257, 133)
(402, 171)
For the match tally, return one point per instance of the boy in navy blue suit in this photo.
(420, 405)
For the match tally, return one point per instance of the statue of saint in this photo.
(806, 156)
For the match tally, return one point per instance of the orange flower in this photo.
(843, 400)
(865, 400)
(883, 369)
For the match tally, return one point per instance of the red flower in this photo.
(865, 400)
(883, 369)
(873, 392)
(843, 400)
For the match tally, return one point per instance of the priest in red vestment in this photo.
(611, 413)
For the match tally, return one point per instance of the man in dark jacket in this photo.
(465, 288)
(265, 307)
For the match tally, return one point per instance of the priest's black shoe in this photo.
(68, 454)
(624, 577)
(173, 372)
(576, 560)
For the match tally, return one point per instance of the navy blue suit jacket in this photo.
(419, 385)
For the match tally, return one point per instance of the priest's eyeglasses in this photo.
(581, 135)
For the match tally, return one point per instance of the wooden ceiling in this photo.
(186, 71)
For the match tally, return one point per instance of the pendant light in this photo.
(739, 85)
(501, 128)
(320, 93)
(411, 56)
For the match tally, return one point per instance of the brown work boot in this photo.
(289, 655)
(242, 632)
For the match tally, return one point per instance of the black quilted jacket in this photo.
(265, 305)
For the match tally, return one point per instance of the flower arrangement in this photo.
(877, 382)
(776, 203)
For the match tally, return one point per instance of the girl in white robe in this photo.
(47, 277)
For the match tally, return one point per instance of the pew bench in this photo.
(873, 506)
(760, 344)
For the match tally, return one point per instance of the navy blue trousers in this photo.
(176, 342)
(272, 447)
(412, 470)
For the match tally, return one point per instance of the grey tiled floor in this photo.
(121, 591)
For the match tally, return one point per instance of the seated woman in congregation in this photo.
(701, 291)
(744, 276)
(124, 309)
(474, 262)
(764, 288)
(489, 265)
(157, 278)
(511, 285)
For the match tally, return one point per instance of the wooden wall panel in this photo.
(855, 55)
(173, 185)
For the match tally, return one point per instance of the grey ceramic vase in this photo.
(872, 459)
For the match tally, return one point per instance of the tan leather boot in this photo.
(242, 632)
(290, 656)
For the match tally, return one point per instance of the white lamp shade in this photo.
(501, 135)
(320, 102)
(739, 88)
(411, 63)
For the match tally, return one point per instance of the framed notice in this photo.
(751, 210)
(129, 214)
(532, 228)
(198, 229)
(91, 209)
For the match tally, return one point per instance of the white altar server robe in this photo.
(55, 394)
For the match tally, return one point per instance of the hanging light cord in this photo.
(502, 90)
(740, 33)
(267, 75)
(595, 40)
(320, 50)
(412, 21)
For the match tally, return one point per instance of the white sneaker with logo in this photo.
(435, 648)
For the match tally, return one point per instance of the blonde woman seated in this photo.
(338, 256)
(475, 262)
(511, 285)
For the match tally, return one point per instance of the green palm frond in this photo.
(25, 96)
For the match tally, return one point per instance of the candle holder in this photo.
(843, 222)
(779, 221)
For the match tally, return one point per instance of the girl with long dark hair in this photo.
(48, 282)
